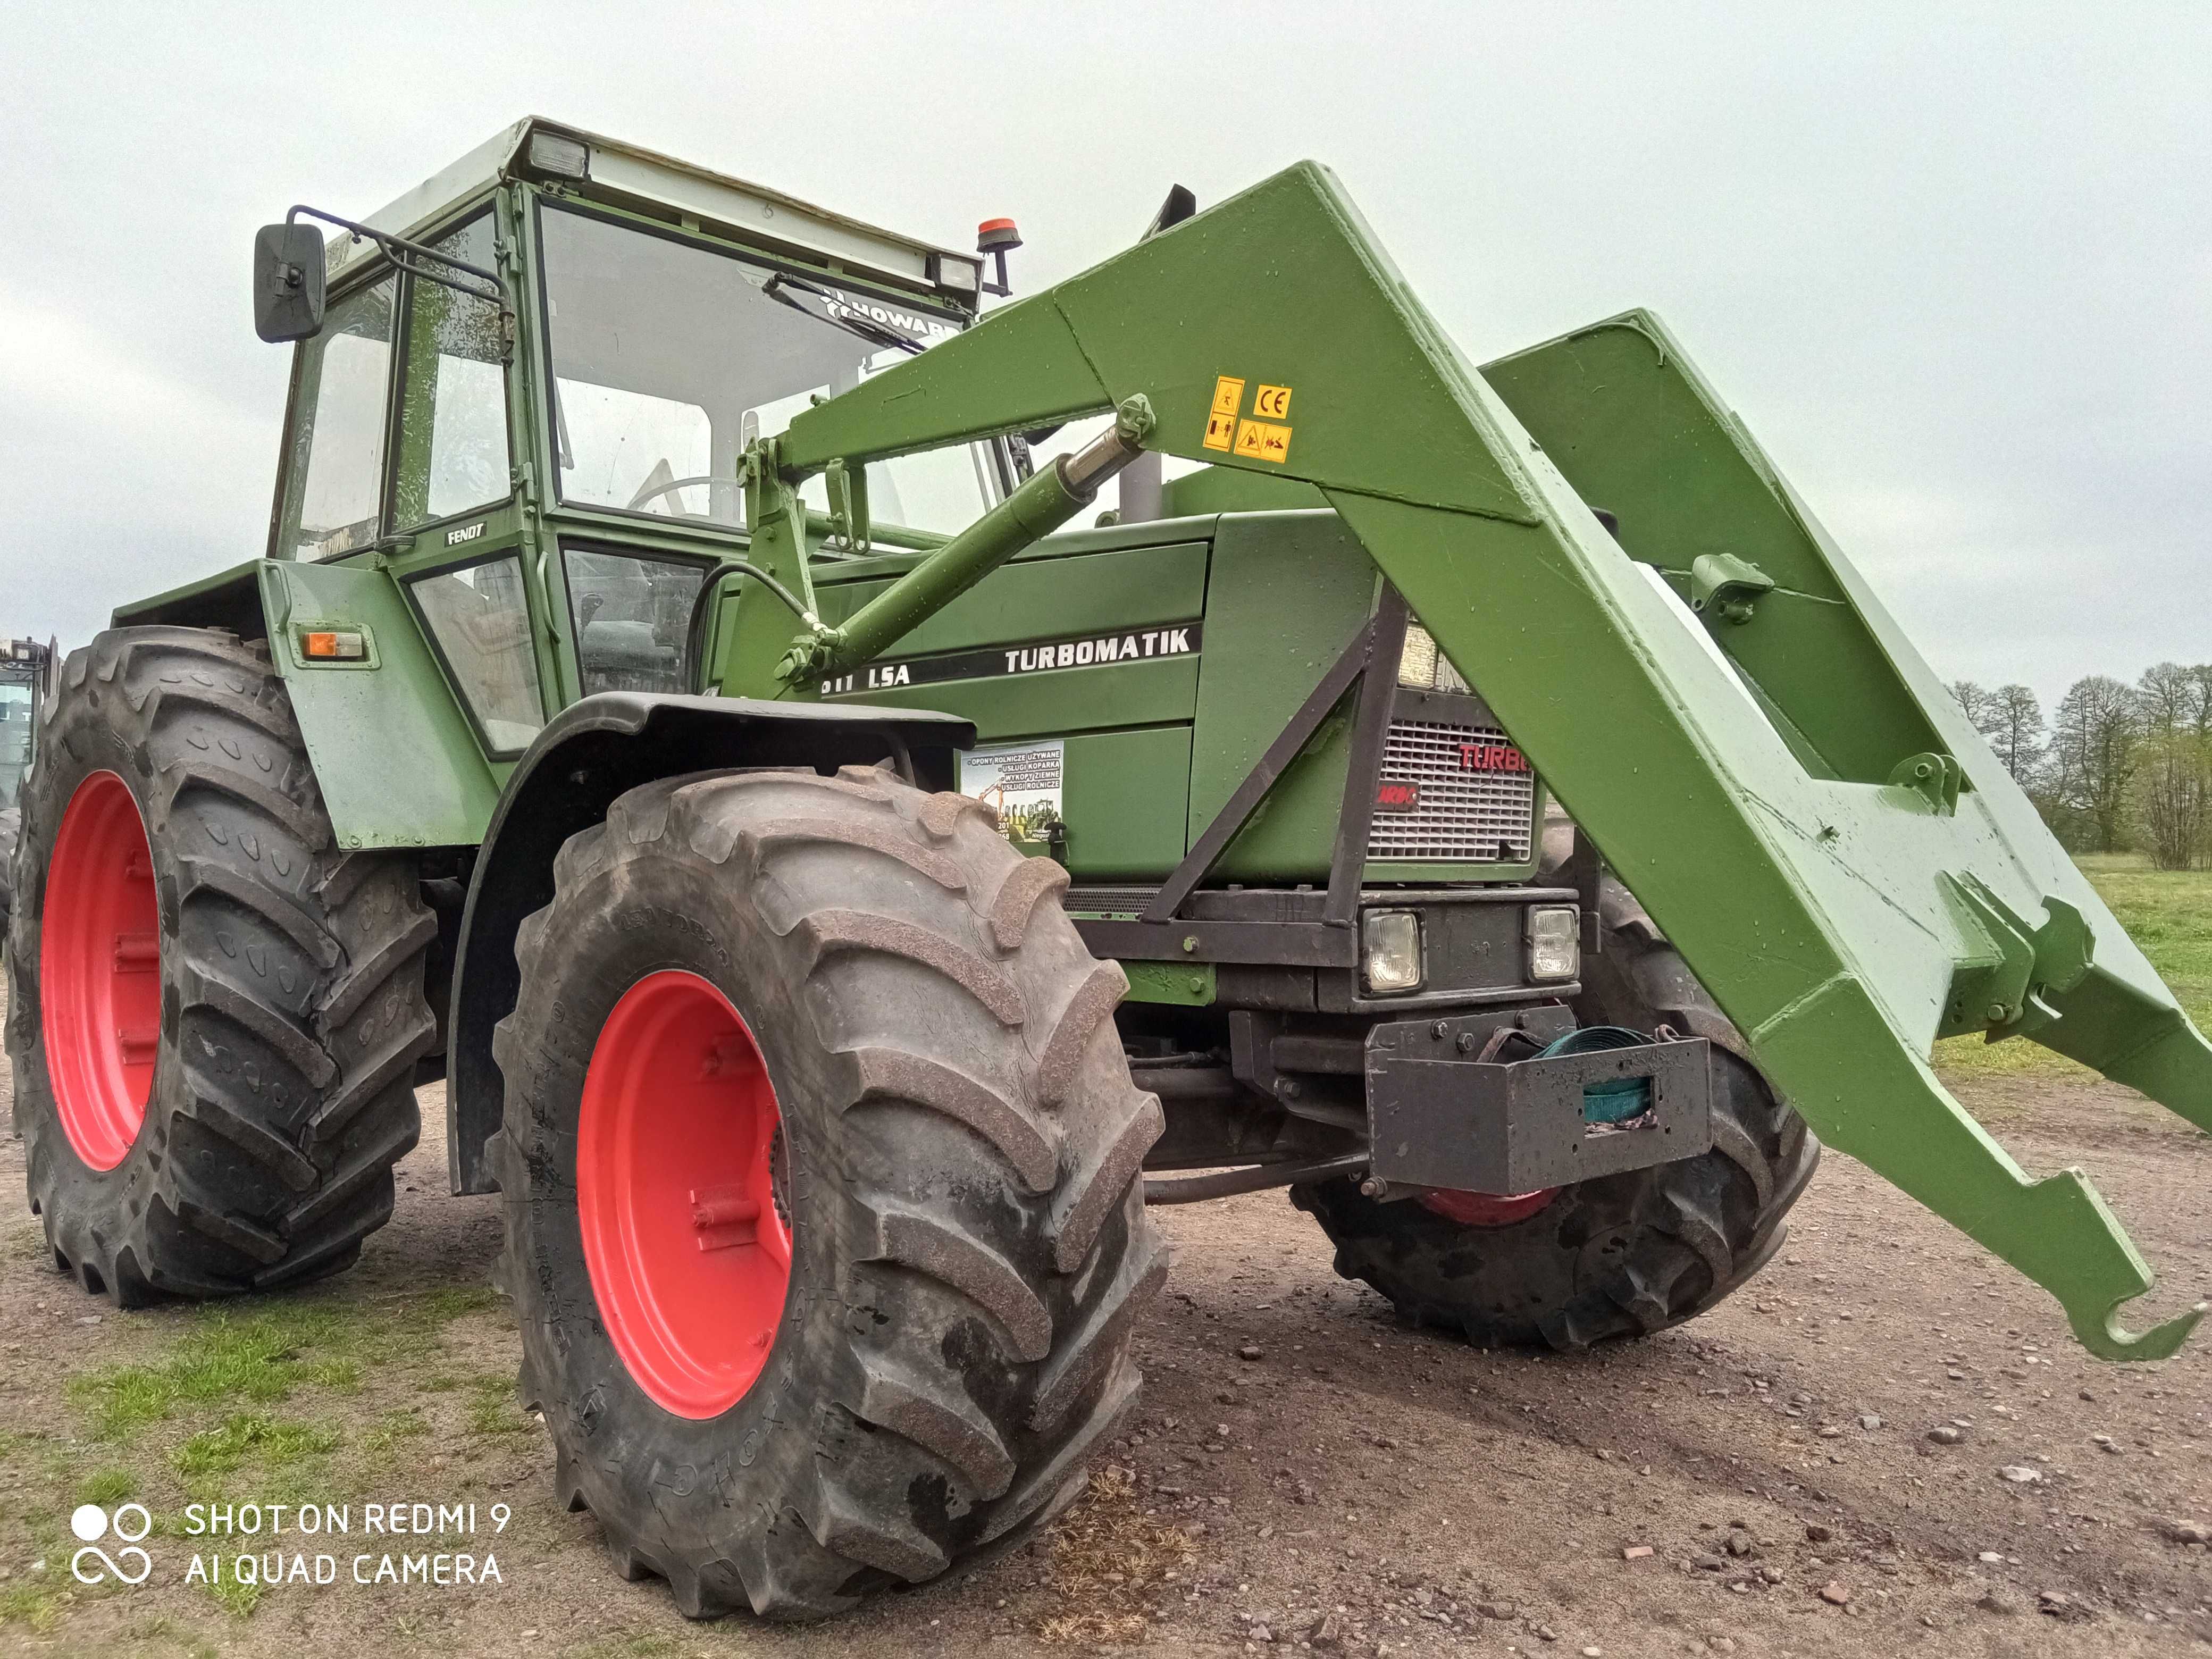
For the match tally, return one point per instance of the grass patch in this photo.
(442, 1307)
(393, 1428)
(492, 1409)
(269, 1442)
(259, 1355)
(221, 1376)
(31, 1605)
(2168, 913)
(106, 1487)
(46, 1530)
(237, 1600)
(648, 1645)
(258, 1358)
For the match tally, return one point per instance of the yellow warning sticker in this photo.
(1272, 402)
(1262, 441)
(1221, 422)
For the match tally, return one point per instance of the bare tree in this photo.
(1972, 700)
(2200, 676)
(2010, 721)
(2018, 737)
(2173, 789)
(2169, 698)
(2096, 749)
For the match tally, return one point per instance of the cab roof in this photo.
(598, 168)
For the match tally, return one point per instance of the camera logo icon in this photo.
(91, 1523)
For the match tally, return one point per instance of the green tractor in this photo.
(841, 888)
(26, 670)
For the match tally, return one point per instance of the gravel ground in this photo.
(1304, 1474)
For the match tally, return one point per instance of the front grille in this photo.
(1467, 803)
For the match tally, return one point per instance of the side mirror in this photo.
(288, 283)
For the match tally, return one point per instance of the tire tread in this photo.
(1044, 1114)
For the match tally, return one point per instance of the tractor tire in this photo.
(824, 1218)
(214, 1013)
(11, 832)
(1623, 1255)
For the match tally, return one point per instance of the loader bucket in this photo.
(1717, 696)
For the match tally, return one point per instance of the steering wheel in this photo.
(650, 490)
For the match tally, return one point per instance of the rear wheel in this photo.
(1624, 1255)
(214, 1014)
(824, 1219)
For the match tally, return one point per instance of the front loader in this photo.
(841, 889)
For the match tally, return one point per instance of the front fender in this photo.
(592, 752)
(395, 758)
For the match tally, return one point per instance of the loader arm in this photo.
(1777, 774)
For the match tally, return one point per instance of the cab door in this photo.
(468, 558)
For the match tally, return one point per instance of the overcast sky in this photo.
(1951, 263)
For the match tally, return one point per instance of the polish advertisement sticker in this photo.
(1021, 781)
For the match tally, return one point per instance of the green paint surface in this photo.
(1289, 591)
(1187, 984)
(396, 759)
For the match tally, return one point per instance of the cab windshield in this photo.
(669, 358)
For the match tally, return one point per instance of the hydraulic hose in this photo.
(1193, 1190)
(694, 658)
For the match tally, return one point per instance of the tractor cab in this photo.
(527, 387)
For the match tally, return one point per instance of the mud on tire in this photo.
(962, 1154)
(290, 974)
(1624, 1255)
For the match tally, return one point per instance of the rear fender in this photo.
(592, 752)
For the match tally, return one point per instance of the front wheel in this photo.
(1623, 1255)
(824, 1218)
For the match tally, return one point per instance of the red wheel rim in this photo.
(688, 1253)
(100, 971)
(1486, 1209)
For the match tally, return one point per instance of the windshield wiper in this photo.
(867, 328)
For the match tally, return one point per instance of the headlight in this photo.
(1417, 663)
(1425, 668)
(558, 154)
(1390, 951)
(1555, 942)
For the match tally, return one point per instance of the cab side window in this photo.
(631, 616)
(334, 474)
(453, 412)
